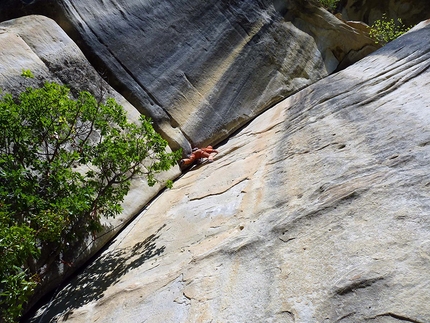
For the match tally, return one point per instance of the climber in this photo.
(198, 154)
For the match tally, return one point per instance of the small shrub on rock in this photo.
(385, 30)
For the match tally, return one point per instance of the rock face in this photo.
(201, 69)
(317, 211)
(37, 43)
(410, 11)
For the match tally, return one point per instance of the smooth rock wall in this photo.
(201, 69)
(317, 211)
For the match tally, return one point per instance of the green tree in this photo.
(330, 5)
(385, 30)
(64, 163)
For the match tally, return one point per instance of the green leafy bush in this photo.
(330, 5)
(385, 30)
(64, 163)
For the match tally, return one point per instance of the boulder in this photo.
(38, 44)
(202, 69)
(410, 11)
(317, 211)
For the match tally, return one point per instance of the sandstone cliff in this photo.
(201, 69)
(317, 211)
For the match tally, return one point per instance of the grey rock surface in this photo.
(201, 69)
(317, 211)
(38, 44)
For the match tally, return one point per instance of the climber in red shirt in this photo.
(198, 154)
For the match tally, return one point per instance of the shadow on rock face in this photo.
(105, 271)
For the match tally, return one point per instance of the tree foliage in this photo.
(385, 30)
(330, 5)
(64, 163)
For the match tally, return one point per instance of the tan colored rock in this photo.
(317, 211)
(37, 43)
(354, 24)
(339, 42)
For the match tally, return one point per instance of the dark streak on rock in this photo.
(345, 316)
(287, 240)
(357, 285)
(397, 317)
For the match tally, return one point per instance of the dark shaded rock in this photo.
(410, 11)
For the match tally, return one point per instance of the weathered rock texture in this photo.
(37, 43)
(317, 211)
(410, 11)
(201, 69)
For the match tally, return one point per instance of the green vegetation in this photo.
(385, 30)
(330, 5)
(64, 163)
(27, 73)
